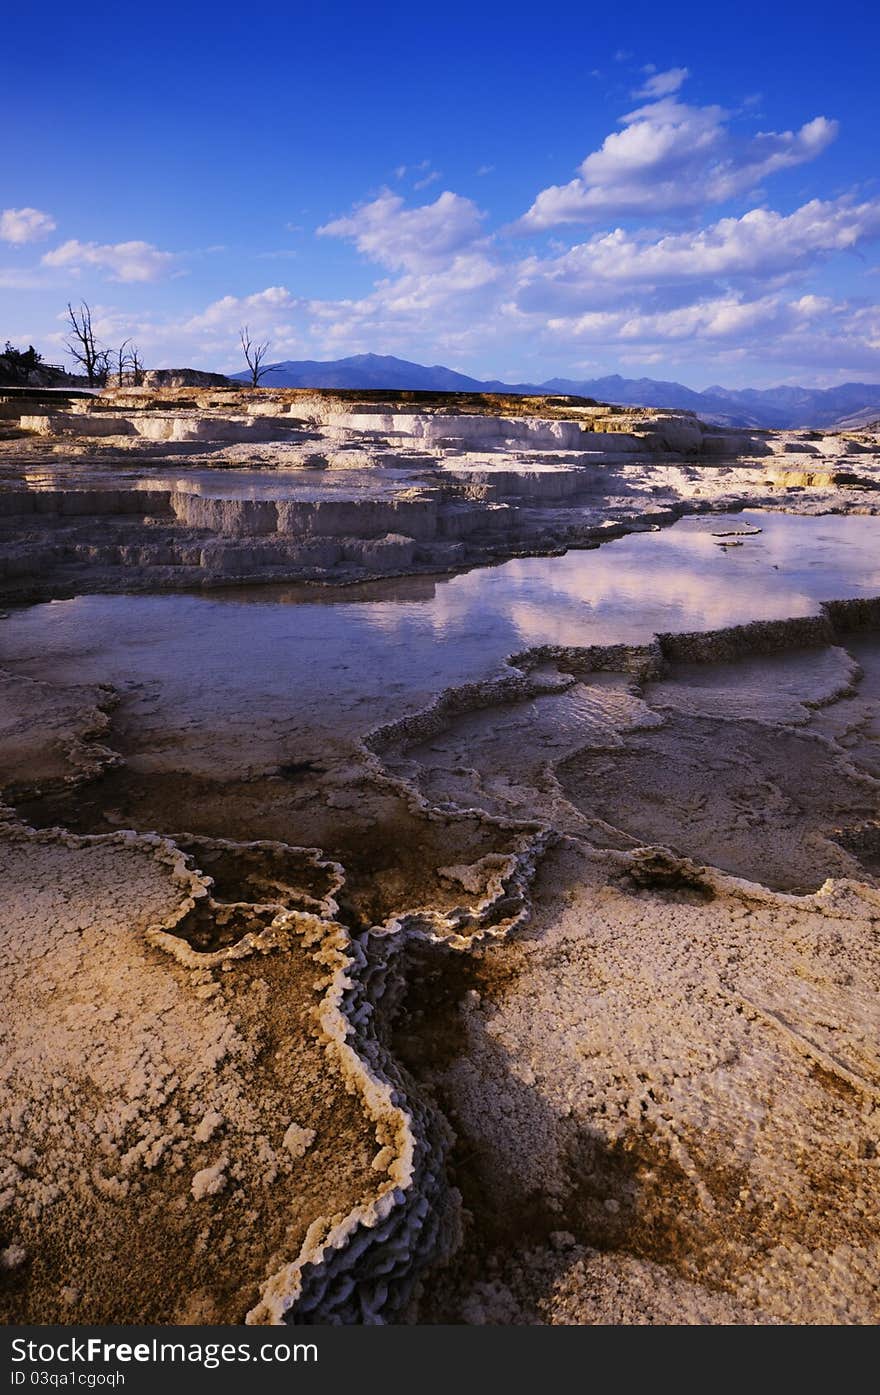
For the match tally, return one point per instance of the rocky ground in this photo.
(555, 1003)
(665, 1091)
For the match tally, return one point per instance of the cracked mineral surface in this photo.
(474, 944)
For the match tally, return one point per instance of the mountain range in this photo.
(850, 404)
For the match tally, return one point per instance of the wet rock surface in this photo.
(188, 489)
(546, 995)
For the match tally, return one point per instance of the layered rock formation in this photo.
(155, 489)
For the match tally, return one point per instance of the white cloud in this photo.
(809, 335)
(123, 261)
(459, 317)
(410, 239)
(672, 156)
(762, 244)
(656, 291)
(20, 225)
(719, 318)
(447, 283)
(662, 84)
(769, 152)
(619, 297)
(260, 310)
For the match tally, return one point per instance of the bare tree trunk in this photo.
(83, 346)
(254, 355)
(122, 362)
(137, 367)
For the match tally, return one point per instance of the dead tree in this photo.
(83, 347)
(254, 355)
(123, 362)
(136, 365)
(129, 364)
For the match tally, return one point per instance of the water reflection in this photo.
(341, 659)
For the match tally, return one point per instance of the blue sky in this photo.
(675, 190)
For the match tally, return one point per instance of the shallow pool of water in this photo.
(227, 482)
(336, 661)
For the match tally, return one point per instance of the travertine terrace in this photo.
(139, 489)
(552, 999)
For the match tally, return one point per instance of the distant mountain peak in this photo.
(782, 406)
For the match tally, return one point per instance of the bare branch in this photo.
(137, 366)
(123, 361)
(254, 355)
(83, 346)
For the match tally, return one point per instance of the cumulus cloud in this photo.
(261, 311)
(410, 239)
(760, 245)
(122, 261)
(447, 275)
(20, 225)
(672, 156)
